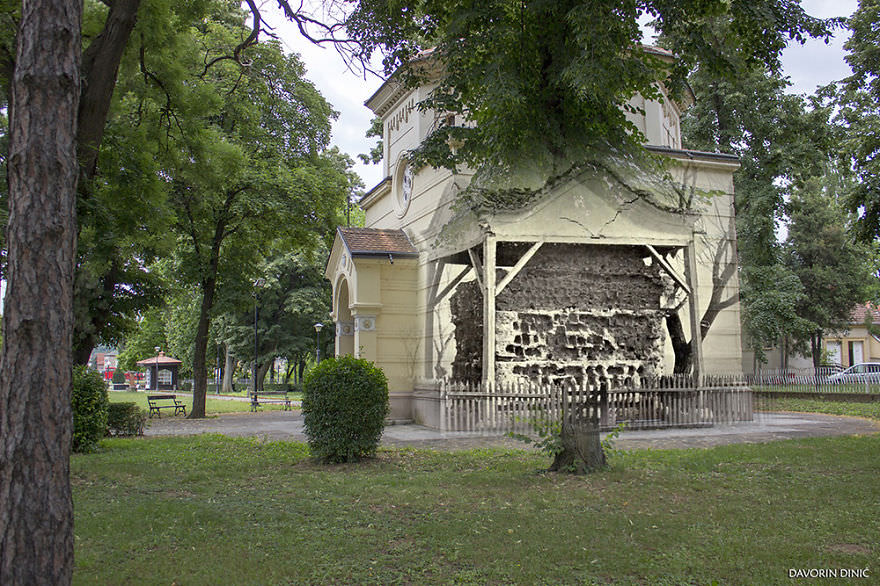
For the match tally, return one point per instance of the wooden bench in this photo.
(258, 399)
(155, 406)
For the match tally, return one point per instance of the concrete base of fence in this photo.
(426, 405)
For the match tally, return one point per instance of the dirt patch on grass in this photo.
(849, 548)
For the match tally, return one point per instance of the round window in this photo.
(403, 186)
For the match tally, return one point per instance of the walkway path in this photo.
(288, 425)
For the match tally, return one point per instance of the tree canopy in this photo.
(535, 85)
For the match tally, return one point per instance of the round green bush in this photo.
(345, 402)
(89, 402)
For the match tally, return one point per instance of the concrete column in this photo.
(489, 322)
(365, 337)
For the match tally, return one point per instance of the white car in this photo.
(866, 372)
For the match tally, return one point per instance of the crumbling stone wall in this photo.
(582, 312)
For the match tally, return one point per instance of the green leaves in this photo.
(537, 87)
(345, 402)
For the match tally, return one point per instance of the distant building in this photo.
(161, 372)
(852, 345)
(104, 359)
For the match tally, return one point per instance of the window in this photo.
(164, 377)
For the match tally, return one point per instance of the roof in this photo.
(862, 310)
(160, 359)
(376, 242)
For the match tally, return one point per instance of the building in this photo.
(856, 343)
(576, 285)
(161, 372)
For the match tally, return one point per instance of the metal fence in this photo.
(523, 407)
(821, 380)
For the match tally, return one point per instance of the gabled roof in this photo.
(376, 242)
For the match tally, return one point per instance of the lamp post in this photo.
(318, 327)
(258, 284)
(157, 348)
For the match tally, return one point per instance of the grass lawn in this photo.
(869, 410)
(210, 510)
(212, 406)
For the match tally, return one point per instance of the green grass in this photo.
(869, 410)
(211, 405)
(210, 509)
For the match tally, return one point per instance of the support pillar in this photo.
(365, 337)
(489, 322)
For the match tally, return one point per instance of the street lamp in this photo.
(258, 284)
(318, 327)
(157, 348)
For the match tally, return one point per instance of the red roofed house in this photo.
(855, 344)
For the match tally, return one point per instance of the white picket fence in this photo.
(518, 407)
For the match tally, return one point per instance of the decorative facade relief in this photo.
(345, 328)
(365, 323)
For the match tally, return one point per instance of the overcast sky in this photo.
(808, 66)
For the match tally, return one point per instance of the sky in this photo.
(808, 66)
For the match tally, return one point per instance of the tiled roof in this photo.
(375, 242)
(161, 359)
(861, 311)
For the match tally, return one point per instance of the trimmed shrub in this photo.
(118, 376)
(186, 387)
(345, 402)
(89, 402)
(125, 419)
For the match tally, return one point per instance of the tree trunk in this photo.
(684, 355)
(228, 371)
(816, 349)
(262, 369)
(581, 449)
(581, 445)
(100, 67)
(36, 510)
(200, 367)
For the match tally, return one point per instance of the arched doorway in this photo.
(344, 320)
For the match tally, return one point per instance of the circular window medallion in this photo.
(403, 186)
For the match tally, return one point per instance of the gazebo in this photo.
(161, 372)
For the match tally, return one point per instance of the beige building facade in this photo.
(576, 285)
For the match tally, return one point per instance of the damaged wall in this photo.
(583, 312)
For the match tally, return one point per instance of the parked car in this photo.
(866, 372)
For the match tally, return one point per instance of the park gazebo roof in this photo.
(160, 359)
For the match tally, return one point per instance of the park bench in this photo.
(155, 406)
(258, 399)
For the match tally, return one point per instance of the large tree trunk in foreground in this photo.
(36, 510)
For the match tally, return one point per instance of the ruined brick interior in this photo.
(583, 312)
